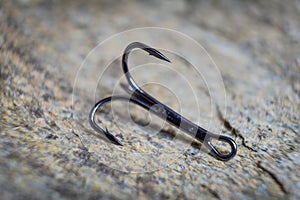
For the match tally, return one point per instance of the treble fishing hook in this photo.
(143, 99)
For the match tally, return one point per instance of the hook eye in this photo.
(216, 153)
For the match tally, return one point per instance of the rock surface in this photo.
(49, 151)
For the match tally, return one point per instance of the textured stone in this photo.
(48, 151)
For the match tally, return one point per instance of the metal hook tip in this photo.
(112, 138)
(157, 54)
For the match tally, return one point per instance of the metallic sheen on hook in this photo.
(143, 99)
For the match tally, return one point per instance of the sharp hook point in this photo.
(157, 54)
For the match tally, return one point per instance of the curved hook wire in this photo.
(112, 138)
(143, 99)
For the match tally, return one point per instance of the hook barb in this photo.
(157, 54)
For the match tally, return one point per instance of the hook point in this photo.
(157, 54)
(112, 138)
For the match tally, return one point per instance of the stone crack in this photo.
(273, 176)
(234, 131)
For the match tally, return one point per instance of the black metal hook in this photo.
(143, 99)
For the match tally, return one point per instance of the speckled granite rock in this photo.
(48, 152)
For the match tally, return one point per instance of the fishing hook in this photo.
(143, 99)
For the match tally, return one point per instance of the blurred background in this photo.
(58, 57)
